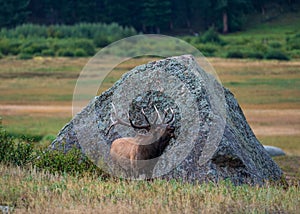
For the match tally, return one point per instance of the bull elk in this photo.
(130, 153)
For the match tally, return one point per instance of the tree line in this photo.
(148, 16)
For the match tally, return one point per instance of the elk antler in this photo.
(171, 120)
(157, 116)
(117, 121)
(147, 127)
(122, 122)
(131, 124)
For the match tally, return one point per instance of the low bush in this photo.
(21, 153)
(16, 153)
(208, 49)
(47, 47)
(85, 44)
(101, 40)
(65, 52)
(79, 52)
(34, 47)
(253, 54)
(276, 54)
(211, 36)
(235, 54)
(293, 42)
(258, 46)
(25, 56)
(295, 53)
(9, 47)
(72, 162)
(38, 39)
(275, 44)
(48, 52)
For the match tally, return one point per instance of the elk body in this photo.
(134, 153)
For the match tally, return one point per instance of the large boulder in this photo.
(213, 139)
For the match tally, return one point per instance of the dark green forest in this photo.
(148, 16)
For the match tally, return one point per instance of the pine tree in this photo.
(13, 12)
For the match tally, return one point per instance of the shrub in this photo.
(1, 55)
(80, 52)
(8, 46)
(26, 137)
(253, 55)
(25, 56)
(293, 43)
(234, 54)
(295, 53)
(19, 153)
(207, 49)
(211, 36)
(65, 52)
(258, 46)
(101, 40)
(23, 154)
(276, 54)
(86, 45)
(6, 146)
(33, 48)
(4, 46)
(35, 39)
(240, 41)
(275, 44)
(72, 162)
(48, 52)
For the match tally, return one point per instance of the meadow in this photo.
(35, 103)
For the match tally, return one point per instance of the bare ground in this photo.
(264, 122)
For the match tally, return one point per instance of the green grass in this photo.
(290, 144)
(268, 90)
(39, 125)
(290, 165)
(276, 84)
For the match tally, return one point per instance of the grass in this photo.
(290, 165)
(261, 84)
(267, 91)
(290, 144)
(30, 191)
(40, 125)
(50, 81)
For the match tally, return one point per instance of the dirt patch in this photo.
(35, 110)
(57, 75)
(274, 122)
(265, 122)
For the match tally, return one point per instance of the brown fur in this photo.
(132, 153)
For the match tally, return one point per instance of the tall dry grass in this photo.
(29, 191)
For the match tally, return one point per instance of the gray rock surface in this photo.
(214, 139)
(274, 151)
